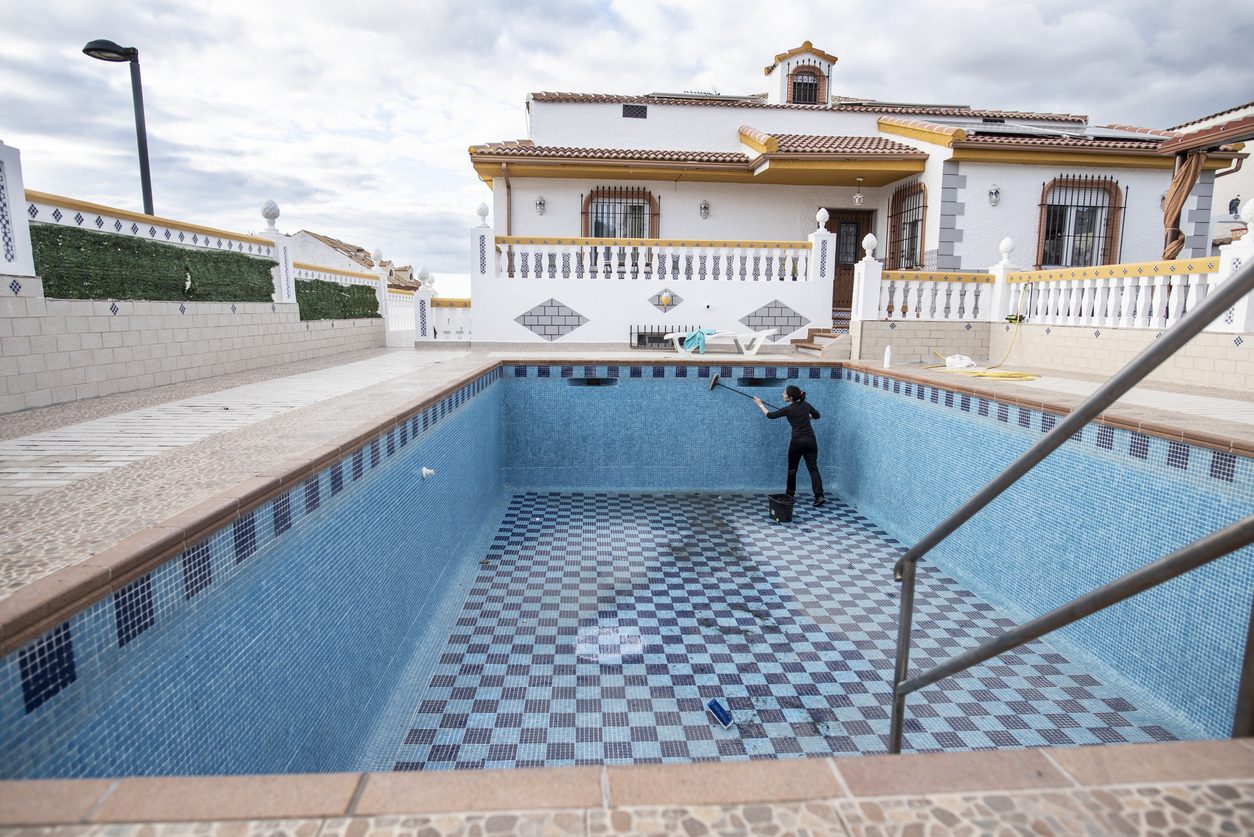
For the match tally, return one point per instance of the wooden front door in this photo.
(849, 225)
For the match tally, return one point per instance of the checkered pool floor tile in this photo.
(601, 625)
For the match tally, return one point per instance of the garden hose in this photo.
(988, 372)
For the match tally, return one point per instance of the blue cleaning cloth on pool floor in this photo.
(697, 339)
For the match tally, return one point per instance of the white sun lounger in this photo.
(746, 344)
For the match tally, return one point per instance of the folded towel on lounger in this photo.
(697, 339)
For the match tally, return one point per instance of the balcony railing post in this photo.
(999, 294)
(16, 257)
(868, 276)
(823, 256)
(1240, 318)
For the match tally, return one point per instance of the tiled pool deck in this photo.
(1057, 790)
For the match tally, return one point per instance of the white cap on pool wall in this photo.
(427, 472)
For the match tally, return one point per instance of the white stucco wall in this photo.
(683, 127)
(737, 211)
(306, 248)
(1017, 214)
(613, 307)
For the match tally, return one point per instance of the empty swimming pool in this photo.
(589, 565)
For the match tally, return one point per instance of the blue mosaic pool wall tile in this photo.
(291, 636)
(1103, 505)
(648, 433)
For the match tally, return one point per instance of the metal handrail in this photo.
(1221, 297)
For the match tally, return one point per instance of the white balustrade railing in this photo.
(526, 257)
(450, 319)
(1140, 295)
(935, 295)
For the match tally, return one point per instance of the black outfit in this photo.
(803, 444)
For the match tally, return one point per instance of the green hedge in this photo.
(79, 264)
(319, 300)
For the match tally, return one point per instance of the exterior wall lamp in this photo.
(665, 299)
(705, 209)
(857, 196)
(994, 195)
(540, 205)
(109, 51)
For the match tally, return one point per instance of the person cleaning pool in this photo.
(803, 443)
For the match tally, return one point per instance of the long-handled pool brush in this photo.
(714, 383)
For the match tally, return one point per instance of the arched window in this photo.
(907, 216)
(807, 85)
(616, 212)
(1081, 222)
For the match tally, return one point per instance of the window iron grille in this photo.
(907, 213)
(635, 111)
(1081, 221)
(805, 89)
(619, 212)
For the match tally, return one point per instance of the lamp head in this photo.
(109, 51)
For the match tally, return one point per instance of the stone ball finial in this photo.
(821, 216)
(270, 211)
(1006, 247)
(868, 243)
(377, 255)
(482, 212)
(424, 277)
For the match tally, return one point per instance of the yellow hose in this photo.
(989, 373)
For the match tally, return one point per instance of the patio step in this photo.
(824, 344)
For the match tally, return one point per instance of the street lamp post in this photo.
(109, 51)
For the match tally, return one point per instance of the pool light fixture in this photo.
(857, 196)
(109, 51)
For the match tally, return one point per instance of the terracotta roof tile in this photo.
(493, 149)
(802, 143)
(358, 254)
(1212, 116)
(860, 106)
(921, 125)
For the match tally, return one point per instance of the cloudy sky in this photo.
(356, 117)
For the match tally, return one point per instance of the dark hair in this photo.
(794, 392)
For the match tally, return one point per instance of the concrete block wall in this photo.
(915, 341)
(57, 350)
(1211, 359)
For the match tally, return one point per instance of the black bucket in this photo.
(781, 507)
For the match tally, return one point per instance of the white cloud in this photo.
(356, 118)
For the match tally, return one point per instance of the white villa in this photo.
(939, 186)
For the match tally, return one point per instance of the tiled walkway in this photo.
(39, 462)
(602, 624)
(1193, 405)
